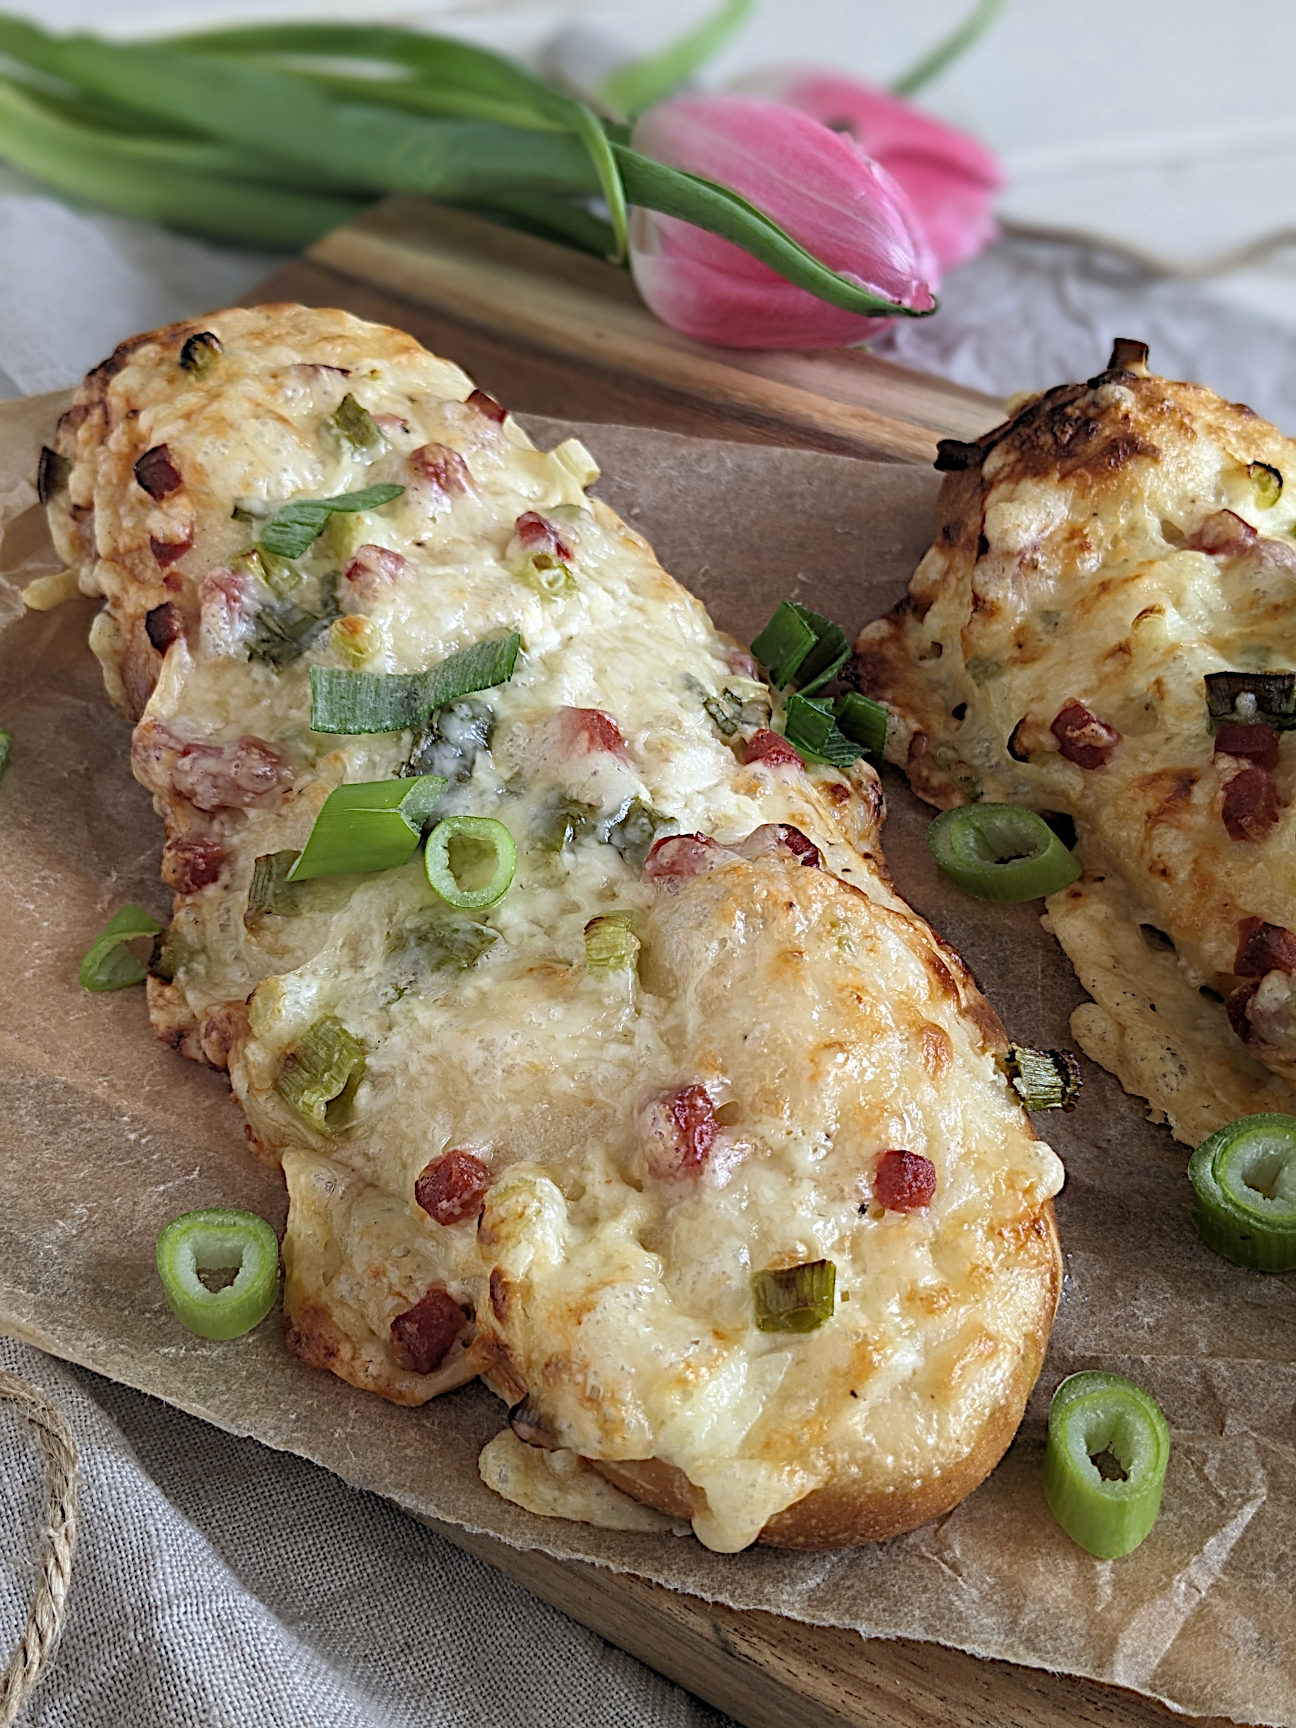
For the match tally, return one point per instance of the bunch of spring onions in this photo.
(272, 134)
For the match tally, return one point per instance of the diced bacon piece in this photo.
(443, 468)
(781, 840)
(677, 1131)
(157, 473)
(1223, 534)
(224, 1029)
(248, 774)
(678, 856)
(191, 862)
(389, 424)
(743, 663)
(905, 1181)
(168, 551)
(1254, 743)
(1250, 806)
(422, 1337)
(1239, 1001)
(488, 407)
(771, 750)
(373, 567)
(1082, 737)
(164, 625)
(1264, 948)
(535, 534)
(226, 606)
(452, 1187)
(583, 731)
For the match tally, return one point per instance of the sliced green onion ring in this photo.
(368, 825)
(361, 702)
(611, 944)
(795, 1298)
(1000, 852)
(109, 964)
(1244, 1178)
(470, 861)
(1105, 1462)
(1252, 696)
(219, 1239)
(784, 643)
(1044, 1079)
(321, 1073)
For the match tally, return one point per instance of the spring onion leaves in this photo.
(359, 702)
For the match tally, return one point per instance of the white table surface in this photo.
(219, 1583)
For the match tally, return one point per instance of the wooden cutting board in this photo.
(552, 332)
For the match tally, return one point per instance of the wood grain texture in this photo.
(555, 332)
(551, 332)
(771, 1673)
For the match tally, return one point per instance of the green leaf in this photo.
(636, 86)
(949, 48)
(604, 159)
(292, 529)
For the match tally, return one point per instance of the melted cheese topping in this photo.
(824, 1020)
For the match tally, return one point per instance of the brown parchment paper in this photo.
(105, 1135)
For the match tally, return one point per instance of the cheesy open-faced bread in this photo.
(1098, 559)
(579, 1141)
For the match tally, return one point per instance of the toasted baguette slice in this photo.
(1096, 557)
(557, 1164)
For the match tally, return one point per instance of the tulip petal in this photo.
(816, 184)
(949, 176)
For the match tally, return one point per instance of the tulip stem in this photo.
(637, 85)
(947, 51)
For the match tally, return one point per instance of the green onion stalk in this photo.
(271, 135)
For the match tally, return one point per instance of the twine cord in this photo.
(40, 1635)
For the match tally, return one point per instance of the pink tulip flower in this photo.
(815, 183)
(950, 177)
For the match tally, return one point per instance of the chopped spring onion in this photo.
(444, 944)
(200, 352)
(1044, 1079)
(1266, 483)
(719, 716)
(354, 426)
(1251, 696)
(6, 748)
(564, 822)
(470, 861)
(610, 943)
(631, 830)
(802, 645)
(271, 891)
(321, 1073)
(1000, 852)
(355, 702)
(863, 721)
(109, 964)
(292, 529)
(219, 1239)
(1244, 1177)
(809, 724)
(368, 825)
(1105, 1462)
(784, 643)
(795, 1298)
(283, 630)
